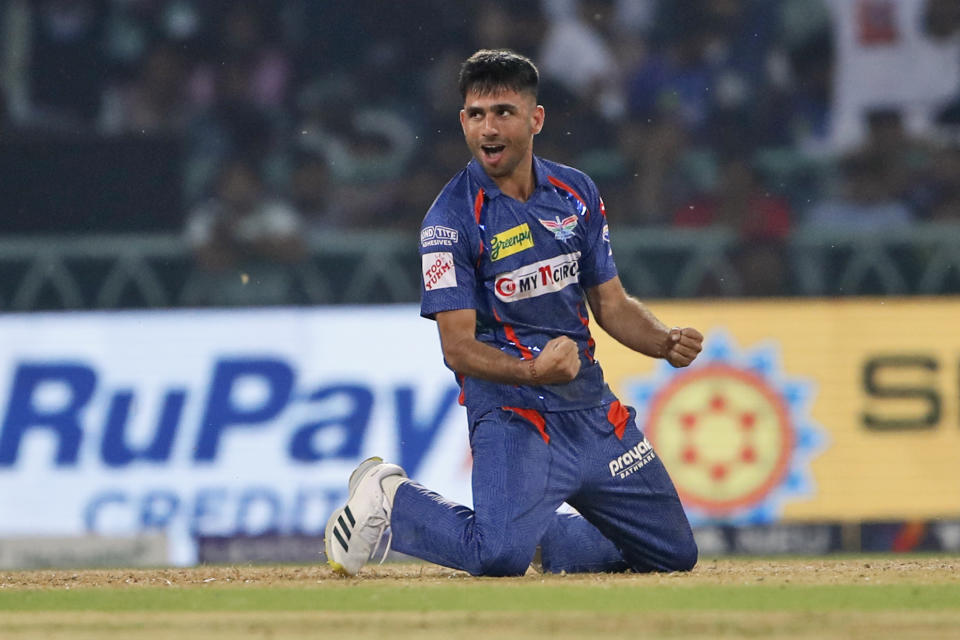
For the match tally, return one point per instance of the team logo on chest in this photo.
(511, 241)
(561, 229)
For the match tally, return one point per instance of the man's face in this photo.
(499, 129)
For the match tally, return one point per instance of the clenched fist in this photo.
(683, 345)
(557, 363)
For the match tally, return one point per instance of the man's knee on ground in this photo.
(509, 561)
(685, 557)
(680, 557)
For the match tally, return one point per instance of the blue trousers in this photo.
(525, 465)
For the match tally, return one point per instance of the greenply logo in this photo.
(511, 241)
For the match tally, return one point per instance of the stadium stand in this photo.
(116, 117)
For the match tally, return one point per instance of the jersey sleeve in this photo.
(597, 265)
(447, 260)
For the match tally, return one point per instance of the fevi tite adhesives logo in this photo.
(733, 430)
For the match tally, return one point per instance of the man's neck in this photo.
(518, 185)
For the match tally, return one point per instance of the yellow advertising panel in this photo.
(806, 409)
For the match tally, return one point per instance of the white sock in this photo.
(390, 484)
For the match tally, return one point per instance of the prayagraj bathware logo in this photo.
(733, 430)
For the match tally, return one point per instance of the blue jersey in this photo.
(523, 266)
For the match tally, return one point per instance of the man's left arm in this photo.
(630, 323)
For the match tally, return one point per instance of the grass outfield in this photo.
(877, 597)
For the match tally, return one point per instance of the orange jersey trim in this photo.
(534, 417)
(512, 338)
(477, 210)
(618, 416)
(563, 185)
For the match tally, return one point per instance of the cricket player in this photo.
(513, 250)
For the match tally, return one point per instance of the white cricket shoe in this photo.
(353, 532)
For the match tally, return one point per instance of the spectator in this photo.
(672, 82)
(762, 222)
(908, 159)
(514, 25)
(575, 53)
(243, 240)
(739, 202)
(708, 68)
(945, 186)
(942, 19)
(155, 101)
(134, 26)
(241, 87)
(367, 147)
(245, 38)
(943, 25)
(634, 16)
(663, 170)
(233, 125)
(738, 45)
(312, 194)
(67, 62)
(807, 111)
(885, 51)
(866, 202)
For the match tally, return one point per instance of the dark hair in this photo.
(491, 70)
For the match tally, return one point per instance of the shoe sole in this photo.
(356, 475)
(336, 566)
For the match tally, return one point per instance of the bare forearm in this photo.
(632, 324)
(558, 362)
(472, 358)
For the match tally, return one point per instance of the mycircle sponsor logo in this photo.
(505, 287)
(538, 278)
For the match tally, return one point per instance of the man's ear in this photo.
(463, 120)
(538, 116)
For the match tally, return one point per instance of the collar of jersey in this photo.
(490, 187)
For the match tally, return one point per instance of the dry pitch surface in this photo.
(876, 597)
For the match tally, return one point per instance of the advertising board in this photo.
(216, 423)
(805, 410)
(246, 423)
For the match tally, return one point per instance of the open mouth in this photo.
(492, 151)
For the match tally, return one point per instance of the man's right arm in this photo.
(557, 363)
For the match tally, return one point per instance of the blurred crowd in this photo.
(300, 117)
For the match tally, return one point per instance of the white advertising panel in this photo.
(240, 422)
